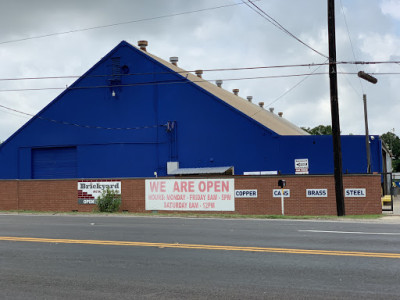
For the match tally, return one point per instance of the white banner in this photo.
(190, 194)
(89, 191)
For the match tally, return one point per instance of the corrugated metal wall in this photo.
(122, 131)
(52, 163)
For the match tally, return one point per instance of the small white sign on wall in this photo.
(245, 193)
(355, 193)
(316, 193)
(276, 193)
(301, 166)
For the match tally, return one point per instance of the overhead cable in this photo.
(309, 65)
(185, 81)
(165, 82)
(293, 87)
(162, 73)
(78, 125)
(274, 22)
(352, 50)
(119, 23)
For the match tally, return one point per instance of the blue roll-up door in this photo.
(53, 163)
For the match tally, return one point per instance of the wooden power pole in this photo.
(367, 147)
(337, 148)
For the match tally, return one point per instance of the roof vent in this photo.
(199, 73)
(249, 98)
(235, 91)
(280, 114)
(218, 82)
(142, 45)
(261, 104)
(174, 60)
(271, 109)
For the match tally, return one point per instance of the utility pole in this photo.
(367, 135)
(373, 80)
(337, 148)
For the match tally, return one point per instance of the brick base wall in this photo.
(62, 195)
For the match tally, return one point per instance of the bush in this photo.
(109, 201)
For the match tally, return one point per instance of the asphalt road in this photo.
(177, 258)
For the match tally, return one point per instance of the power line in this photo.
(119, 24)
(78, 125)
(352, 48)
(162, 73)
(185, 81)
(349, 82)
(381, 73)
(293, 87)
(274, 22)
(369, 62)
(309, 65)
(115, 86)
(12, 113)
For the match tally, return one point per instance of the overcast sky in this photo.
(226, 37)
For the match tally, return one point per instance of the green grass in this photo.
(198, 215)
(364, 216)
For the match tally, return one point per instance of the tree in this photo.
(392, 141)
(319, 130)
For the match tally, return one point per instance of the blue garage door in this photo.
(52, 163)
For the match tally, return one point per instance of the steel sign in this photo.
(355, 193)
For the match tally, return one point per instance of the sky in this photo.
(52, 38)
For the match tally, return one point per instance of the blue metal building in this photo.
(132, 113)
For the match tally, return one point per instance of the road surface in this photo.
(97, 257)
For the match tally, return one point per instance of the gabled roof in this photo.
(270, 120)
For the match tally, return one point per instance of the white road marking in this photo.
(351, 232)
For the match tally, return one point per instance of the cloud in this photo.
(380, 47)
(391, 8)
(221, 38)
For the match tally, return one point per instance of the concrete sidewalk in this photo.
(391, 217)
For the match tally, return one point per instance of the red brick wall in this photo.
(8, 195)
(62, 195)
(299, 204)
